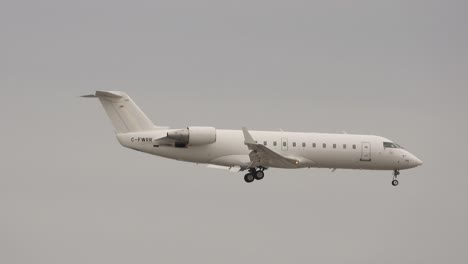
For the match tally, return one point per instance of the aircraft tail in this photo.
(125, 115)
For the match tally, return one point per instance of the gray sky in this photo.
(70, 194)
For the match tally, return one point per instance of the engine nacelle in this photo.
(194, 136)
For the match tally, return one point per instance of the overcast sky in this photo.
(69, 193)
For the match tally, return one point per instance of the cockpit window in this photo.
(390, 145)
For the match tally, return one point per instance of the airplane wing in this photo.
(231, 169)
(265, 157)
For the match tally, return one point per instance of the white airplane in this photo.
(254, 151)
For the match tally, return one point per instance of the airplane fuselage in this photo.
(318, 150)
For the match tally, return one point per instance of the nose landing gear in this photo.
(254, 174)
(395, 175)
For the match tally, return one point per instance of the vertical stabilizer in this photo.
(125, 115)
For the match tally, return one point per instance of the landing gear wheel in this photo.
(395, 175)
(249, 177)
(259, 175)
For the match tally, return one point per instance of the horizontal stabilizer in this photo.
(110, 94)
(89, 96)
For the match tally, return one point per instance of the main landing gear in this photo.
(395, 174)
(254, 174)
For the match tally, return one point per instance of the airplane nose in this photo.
(417, 161)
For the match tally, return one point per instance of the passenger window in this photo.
(354, 146)
(274, 143)
(344, 146)
(294, 144)
(284, 144)
(303, 144)
(334, 145)
(264, 143)
(314, 145)
(324, 145)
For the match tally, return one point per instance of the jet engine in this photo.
(194, 136)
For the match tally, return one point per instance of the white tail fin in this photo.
(123, 112)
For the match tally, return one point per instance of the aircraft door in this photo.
(284, 143)
(365, 151)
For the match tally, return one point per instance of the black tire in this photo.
(259, 175)
(395, 182)
(249, 177)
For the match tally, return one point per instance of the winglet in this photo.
(247, 137)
